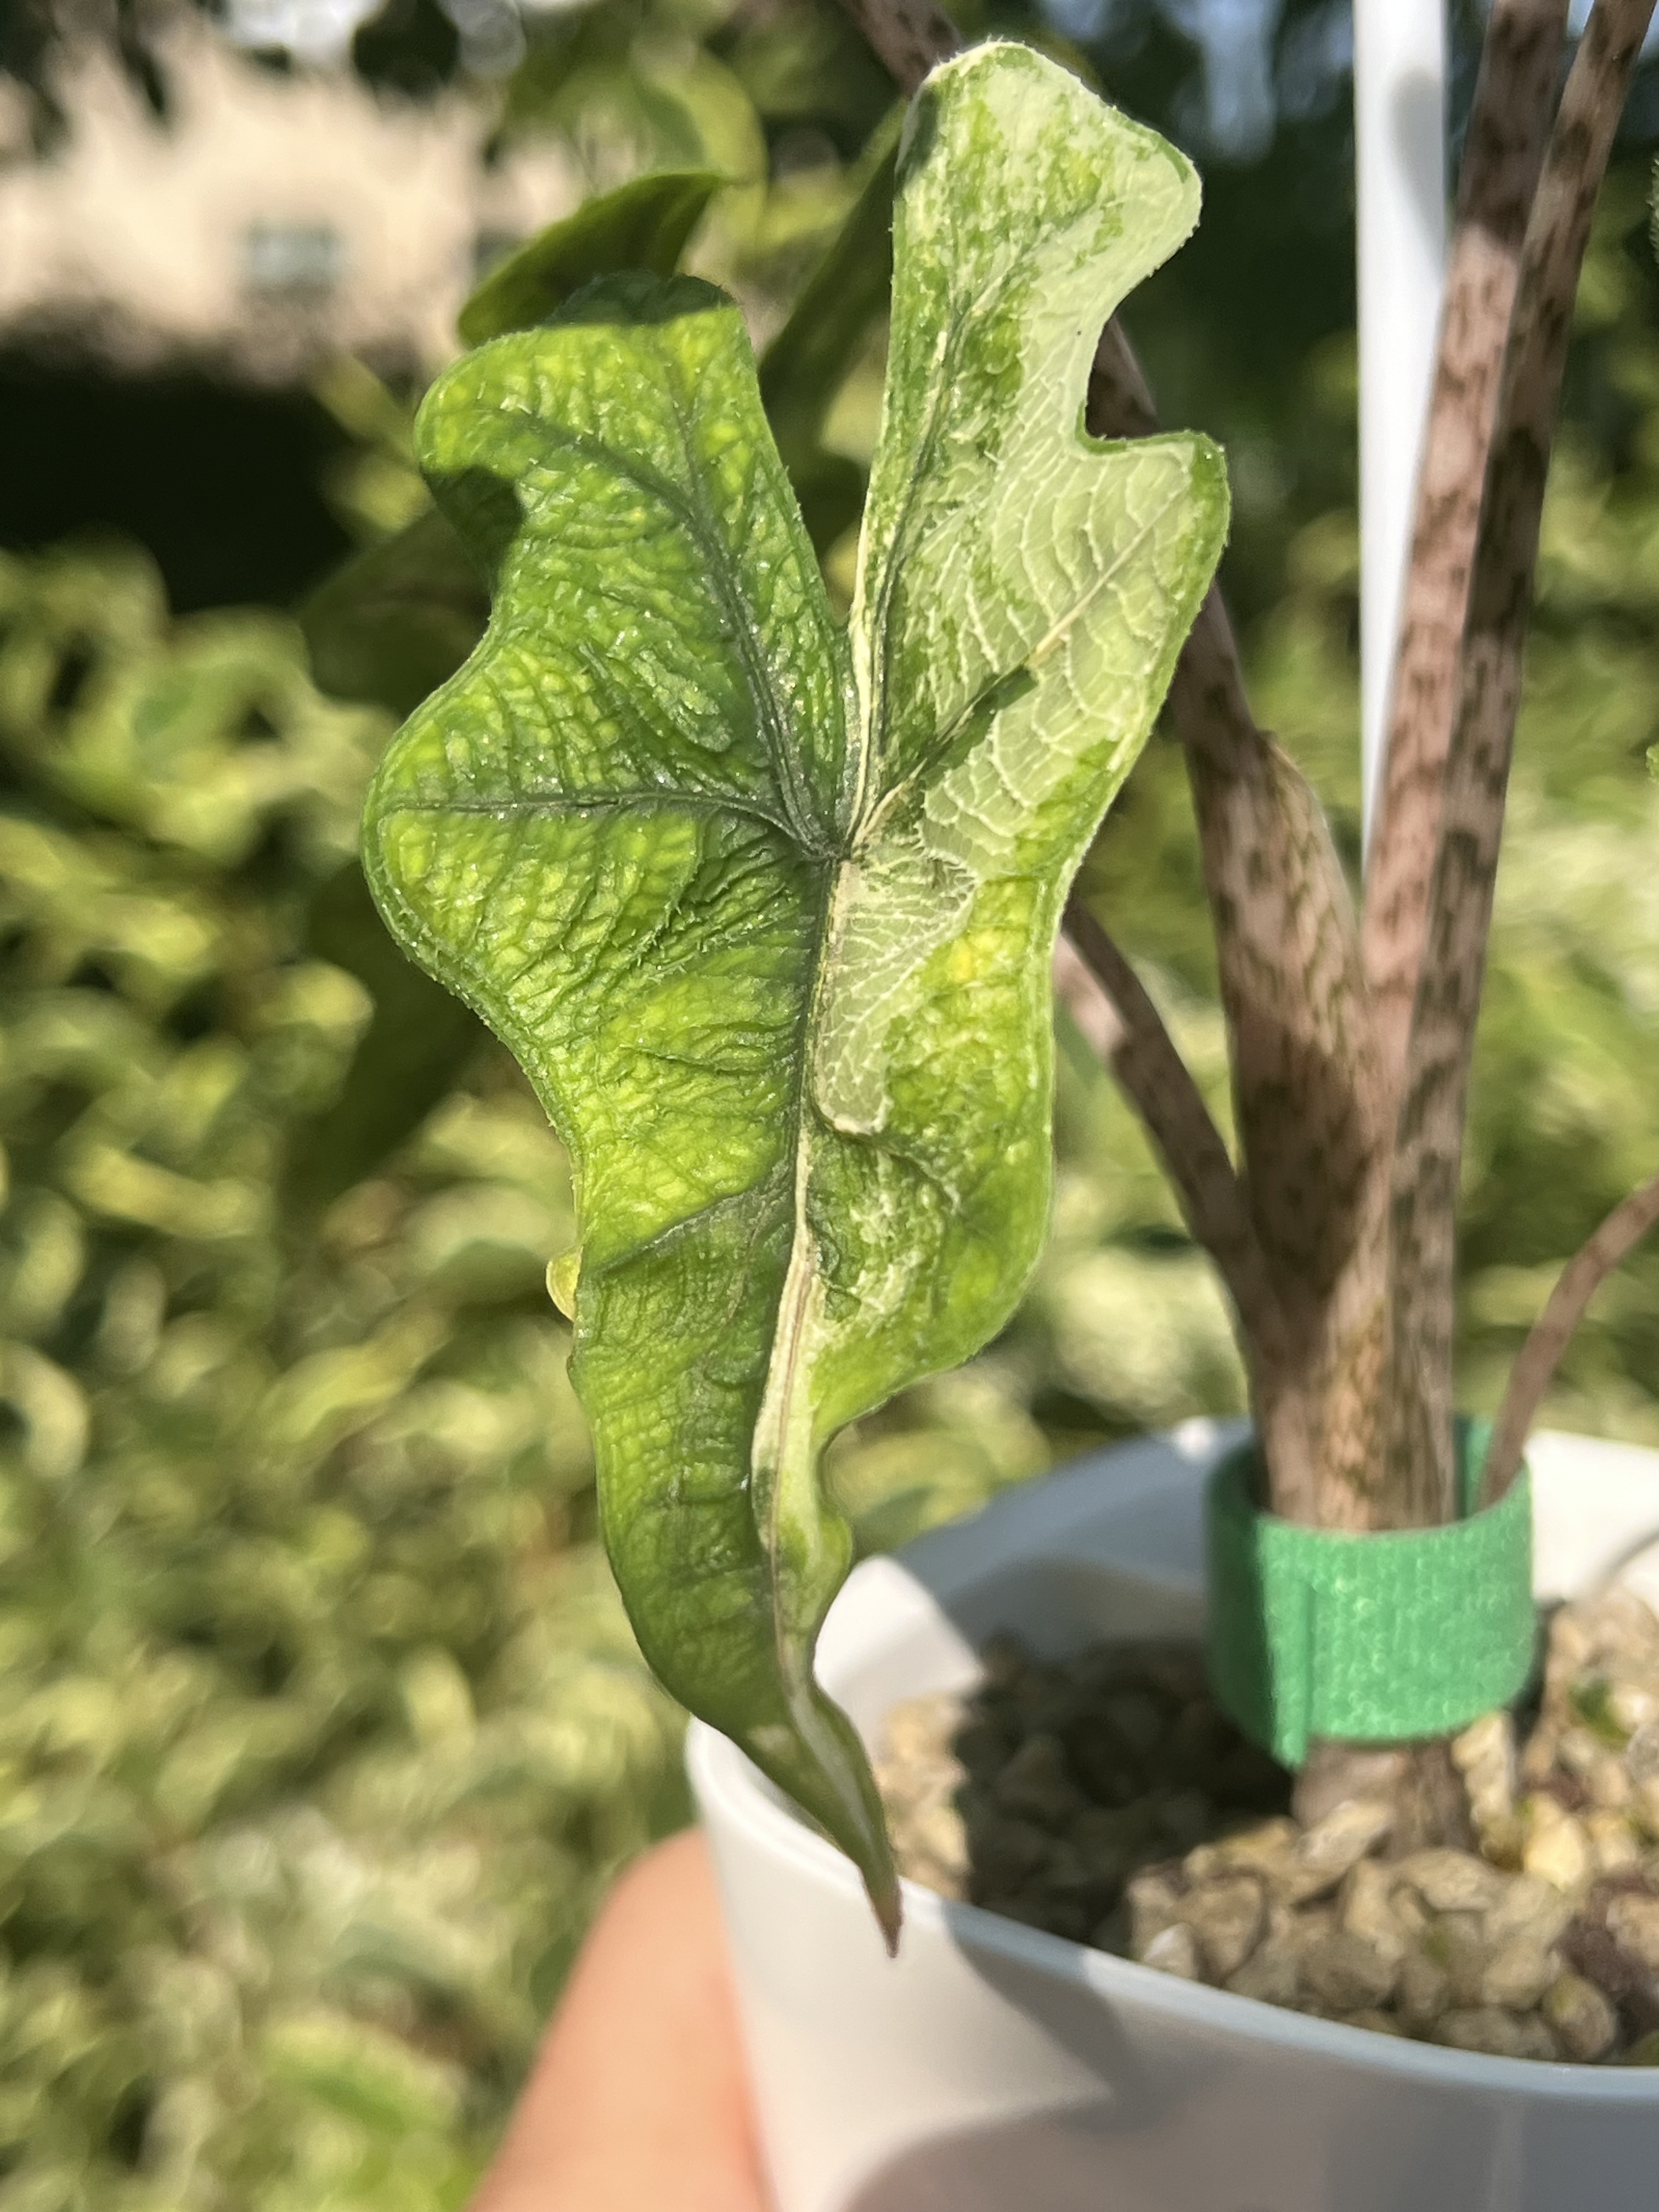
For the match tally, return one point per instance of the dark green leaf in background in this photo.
(397, 620)
(644, 224)
(416, 1047)
(805, 366)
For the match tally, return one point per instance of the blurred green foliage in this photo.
(320, 1721)
(320, 1725)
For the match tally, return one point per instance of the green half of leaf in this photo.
(766, 907)
(644, 224)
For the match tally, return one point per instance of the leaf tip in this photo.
(887, 1905)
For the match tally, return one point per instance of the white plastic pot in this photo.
(992, 2067)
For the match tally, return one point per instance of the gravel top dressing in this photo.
(1107, 1798)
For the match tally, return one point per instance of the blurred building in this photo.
(273, 219)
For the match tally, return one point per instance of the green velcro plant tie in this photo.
(1367, 1638)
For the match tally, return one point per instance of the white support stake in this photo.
(1399, 142)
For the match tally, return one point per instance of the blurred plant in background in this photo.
(319, 1721)
(321, 1726)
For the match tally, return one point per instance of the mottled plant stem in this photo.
(1429, 1152)
(1418, 1781)
(1113, 1009)
(1304, 1093)
(1304, 1096)
(1515, 96)
(1579, 1280)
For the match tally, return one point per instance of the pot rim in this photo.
(727, 1788)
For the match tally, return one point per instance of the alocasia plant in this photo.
(766, 907)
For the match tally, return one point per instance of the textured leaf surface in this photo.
(766, 910)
